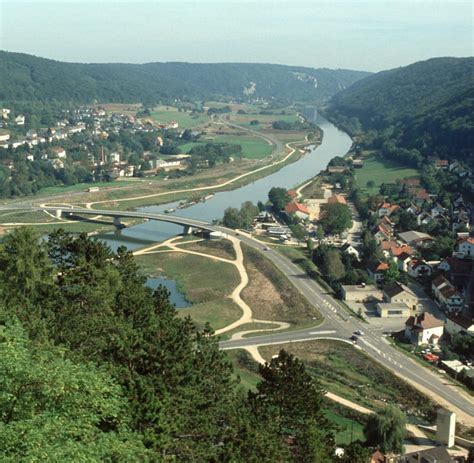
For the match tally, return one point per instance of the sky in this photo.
(354, 34)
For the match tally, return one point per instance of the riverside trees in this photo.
(154, 387)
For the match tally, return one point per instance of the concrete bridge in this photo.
(188, 224)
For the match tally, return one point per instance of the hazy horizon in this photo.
(369, 36)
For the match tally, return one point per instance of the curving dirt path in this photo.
(238, 262)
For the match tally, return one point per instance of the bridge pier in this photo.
(58, 213)
(118, 222)
(187, 230)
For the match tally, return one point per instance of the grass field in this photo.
(218, 248)
(272, 296)
(265, 120)
(218, 313)
(252, 147)
(25, 217)
(205, 283)
(185, 120)
(350, 373)
(381, 171)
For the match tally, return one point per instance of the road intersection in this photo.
(338, 323)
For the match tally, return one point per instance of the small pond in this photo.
(176, 296)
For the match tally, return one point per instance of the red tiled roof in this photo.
(396, 251)
(296, 207)
(422, 194)
(336, 199)
(424, 321)
(379, 267)
(468, 239)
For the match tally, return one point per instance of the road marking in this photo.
(322, 332)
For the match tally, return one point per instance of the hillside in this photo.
(26, 77)
(427, 106)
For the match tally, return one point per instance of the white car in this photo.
(359, 332)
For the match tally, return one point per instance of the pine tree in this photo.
(291, 399)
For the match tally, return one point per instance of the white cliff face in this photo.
(250, 89)
(303, 77)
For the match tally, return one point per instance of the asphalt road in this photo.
(337, 324)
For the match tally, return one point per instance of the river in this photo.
(335, 143)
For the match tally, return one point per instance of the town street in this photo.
(338, 324)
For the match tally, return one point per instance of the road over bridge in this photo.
(338, 323)
(188, 224)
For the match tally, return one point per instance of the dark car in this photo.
(354, 338)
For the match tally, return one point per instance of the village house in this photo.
(412, 209)
(450, 299)
(465, 247)
(439, 283)
(386, 246)
(336, 169)
(166, 165)
(361, 293)
(114, 157)
(4, 137)
(395, 310)
(419, 195)
(397, 250)
(457, 323)
(383, 233)
(31, 134)
(415, 238)
(300, 210)
(79, 127)
(457, 270)
(460, 220)
(424, 218)
(424, 329)
(58, 152)
(5, 113)
(57, 163)
(347, 248)
(387, 209)
(403, 261)
(441, 164)
(396, 293)
(418, 268)
(438, 210)
(20, 119)
(377, 271)
(447, 295)
(60, 135)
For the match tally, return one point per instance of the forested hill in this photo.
(427, 106)
(26, 77)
